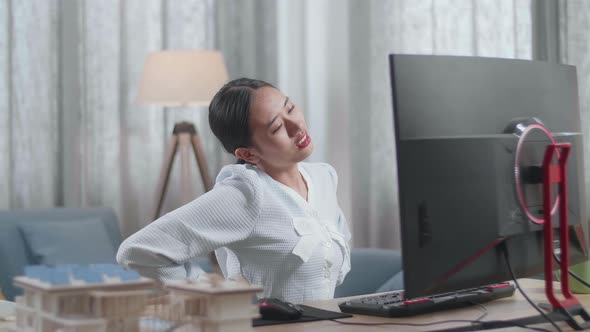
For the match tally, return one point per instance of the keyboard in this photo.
(394, 304)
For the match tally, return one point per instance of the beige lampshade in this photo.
(181, 78)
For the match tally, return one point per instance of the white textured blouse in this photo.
(296, 250)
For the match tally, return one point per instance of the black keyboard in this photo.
(395, 304)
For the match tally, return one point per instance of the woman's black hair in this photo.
(229, 111)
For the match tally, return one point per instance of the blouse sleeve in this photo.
(163, 250)
(342, 226)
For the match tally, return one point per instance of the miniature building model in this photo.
(108, 298)
(72, 298)
(209, 305)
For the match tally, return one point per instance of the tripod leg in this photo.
(165, 174)
(201, 161)
(184, 143)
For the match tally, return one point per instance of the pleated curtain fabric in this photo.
(484, 28)
(574, 49)
(71, 133)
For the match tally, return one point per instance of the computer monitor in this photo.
(456, 166)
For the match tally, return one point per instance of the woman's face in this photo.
(279, 132)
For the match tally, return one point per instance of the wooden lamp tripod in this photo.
(182, 78)
(184, 138)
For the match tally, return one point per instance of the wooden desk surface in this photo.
(507, 308)
(513, 307)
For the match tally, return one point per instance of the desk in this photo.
(507, 308)
(513, 307)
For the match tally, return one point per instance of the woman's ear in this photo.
(247, 155)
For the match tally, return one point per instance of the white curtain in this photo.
(29, 111)
(71, 133)
(574, 49)
(332, 59)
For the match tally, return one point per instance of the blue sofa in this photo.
(373, 271)
(85, 234)
(92, 235)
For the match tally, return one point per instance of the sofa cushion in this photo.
(371, 268)
(68, 242)
(14, 254)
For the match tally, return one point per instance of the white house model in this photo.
(108, 298)
(72, 298)
(210, 305)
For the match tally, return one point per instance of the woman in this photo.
(272, 219)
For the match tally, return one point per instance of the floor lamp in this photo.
(182, 79)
